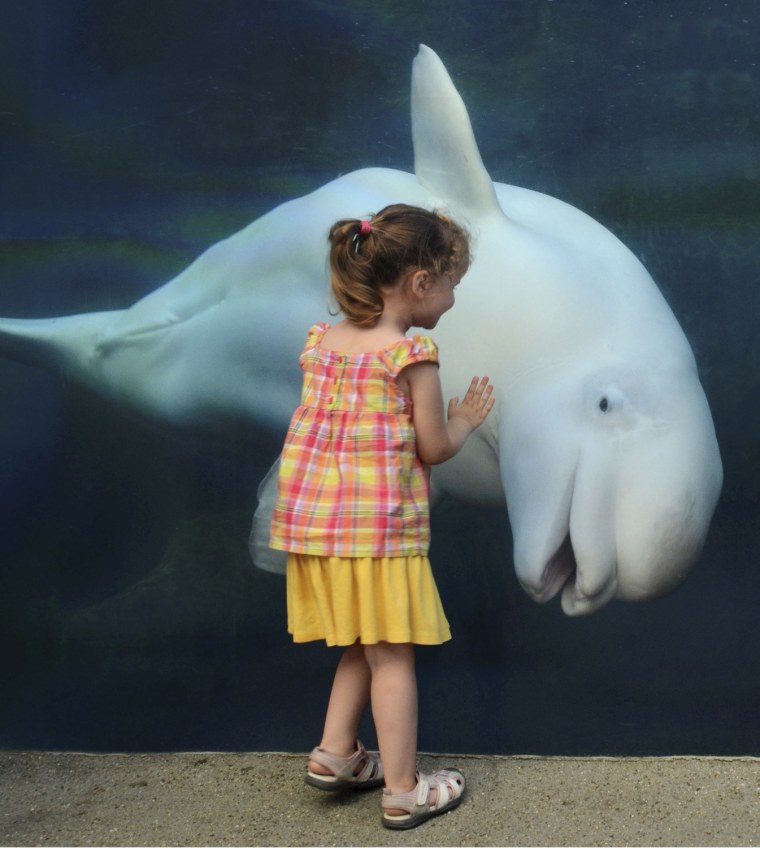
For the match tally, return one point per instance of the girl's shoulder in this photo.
(316, 334)
(409, 351)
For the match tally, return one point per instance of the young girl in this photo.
(353, 497)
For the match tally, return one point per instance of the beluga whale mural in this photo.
(601, 447)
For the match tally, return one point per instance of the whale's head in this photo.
(612, 475)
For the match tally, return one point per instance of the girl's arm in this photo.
(439, 437)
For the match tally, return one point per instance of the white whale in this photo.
(602, 439)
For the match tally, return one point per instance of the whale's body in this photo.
(601, 445)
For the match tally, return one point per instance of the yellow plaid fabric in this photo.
(351, 483)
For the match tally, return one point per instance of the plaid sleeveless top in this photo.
(351, 483)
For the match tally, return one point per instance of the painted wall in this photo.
(135, 134)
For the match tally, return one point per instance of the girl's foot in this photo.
(362, 770)
(434, 794)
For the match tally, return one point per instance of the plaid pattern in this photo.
(351, 484)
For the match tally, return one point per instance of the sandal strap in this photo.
(372, 769)
(448, 782)
(450, 785)
(344, 768)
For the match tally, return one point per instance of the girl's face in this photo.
(437, 299)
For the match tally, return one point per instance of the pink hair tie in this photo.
(365, 228)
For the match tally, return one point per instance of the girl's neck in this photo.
(397, 312)
(393, 324)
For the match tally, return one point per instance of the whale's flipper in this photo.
(447, 161)
(66, 345)
(258, 542)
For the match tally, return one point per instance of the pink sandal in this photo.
(361, 770)
(450, 786)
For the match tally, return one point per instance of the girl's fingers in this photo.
(479, 387)
(479, 395)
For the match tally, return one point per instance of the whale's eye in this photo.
(604, 404)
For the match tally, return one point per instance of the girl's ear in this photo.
(420, 282)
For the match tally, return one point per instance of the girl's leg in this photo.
(348, 699)
(394, 709)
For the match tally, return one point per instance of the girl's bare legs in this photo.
(348, 699)
(394, 709)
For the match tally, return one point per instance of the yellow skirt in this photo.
(383, 599)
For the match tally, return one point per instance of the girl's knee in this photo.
(384, 653)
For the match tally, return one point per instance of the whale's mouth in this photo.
(562, 574)
(560, 571)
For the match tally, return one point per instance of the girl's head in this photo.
(368, 258)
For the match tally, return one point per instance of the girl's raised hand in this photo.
(477, 403)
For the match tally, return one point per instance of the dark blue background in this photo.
(135, 134)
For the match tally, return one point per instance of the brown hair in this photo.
(399, 239)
